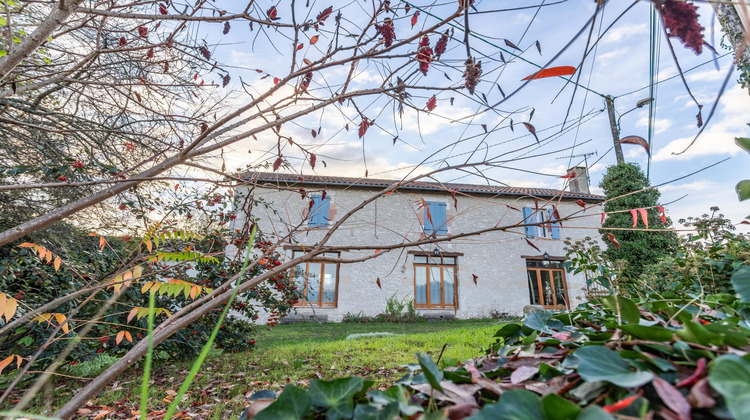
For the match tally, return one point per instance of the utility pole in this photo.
(613, 125)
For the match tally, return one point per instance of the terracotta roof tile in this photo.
(338, 181)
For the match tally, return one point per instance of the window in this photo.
(318, 281)
(546, 227)
(435, 282)
(319, 212)
(547, 284)
(435, 218)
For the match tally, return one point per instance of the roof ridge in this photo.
(415, 185)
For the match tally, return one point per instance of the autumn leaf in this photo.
(636, 140)
(300, 46)
(552, 72)
(512, 45)
(276, 80)
(119, 337)
(123, 41)
(57, 263)
(414, 18)
(363, 126)
(8, 360)
(313, 159)
(163, 9)
(142, 31)
(614, 240)
(102, 243)
(532, 245)
(308, 62)
(635, 217)
(475, 277)
(314, 133)
(277, 163)
(272, 13)
(539, 47)
(314, 40)
(322, 16)
(8, 306)
(378, 283)
(644, 216)
(134, 311)
(581, 203)
(532, 130)
(227, 26)
(432, 103)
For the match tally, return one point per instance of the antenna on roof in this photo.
(574, 184)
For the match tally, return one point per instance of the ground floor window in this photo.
(318, 280)
(435, 282)
(547, 284)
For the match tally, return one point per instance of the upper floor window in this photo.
(319, 212)
(435, 282)
(435, 218)
(318, 281)
(545, 227)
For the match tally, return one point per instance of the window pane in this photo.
(449, 260)
(435, 294)
(448, 285)
(420, 260)
(434, 260)
(533, 288)
(332, 254)
(557, 276)
(547, 297)
(313, 282)
(420, 283)
(329, 283)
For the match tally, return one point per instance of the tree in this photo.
(629, 196)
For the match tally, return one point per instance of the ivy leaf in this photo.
(558, 408)
(431, 371)
(628, 310)
(597, 363)
(293, 404)
(743, 190)
(373, 412)
(730, 376)
(516, 404)
(741, 283)
(337, 396)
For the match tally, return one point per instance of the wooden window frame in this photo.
(442, 305)
(538, 271)
(319, 303)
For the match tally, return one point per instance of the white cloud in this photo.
(611, 56)
(661, 125)
(621, 33)
(719, 136)
(691, 186)
(705, 76)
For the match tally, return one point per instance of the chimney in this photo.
(580, 183)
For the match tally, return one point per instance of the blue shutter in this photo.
(530, 230)
(319, 213)
(555, 226)
(427, 223)
(439, 218)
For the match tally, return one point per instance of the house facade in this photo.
(497, 272)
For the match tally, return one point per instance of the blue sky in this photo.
(618, 66)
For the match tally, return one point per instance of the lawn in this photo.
(289, 354)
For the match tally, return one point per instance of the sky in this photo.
(618, 65)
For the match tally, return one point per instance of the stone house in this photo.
(495, 273)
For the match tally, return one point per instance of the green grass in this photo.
(295, 354)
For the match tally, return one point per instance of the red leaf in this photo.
(635, 217)
(204, 127)
(363, 126)
(637, 140)
(614, 240)
(150, 53)
(432, 103)
(300, 46)
(313, 158)
(313, 41)
(662, 216)
(532, 245)
(276, 80)
(378, 283)
(552, 72)
(622, 404)
(226, 28)
(581, 203)
(512, 208)
(568, 176)
(163, 9)
(603, 216)
(322, 16)
(142, 31)
(314, 133)
(277, 163)
(512, 45)
(414, 18)
(272, 13)
(644, 216)
(474, 276)
(137, 96)
(532, 130)
(455, 200)
(672, 398)
(123, 41)
(700, 371)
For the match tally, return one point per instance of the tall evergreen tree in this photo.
(638, 248)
